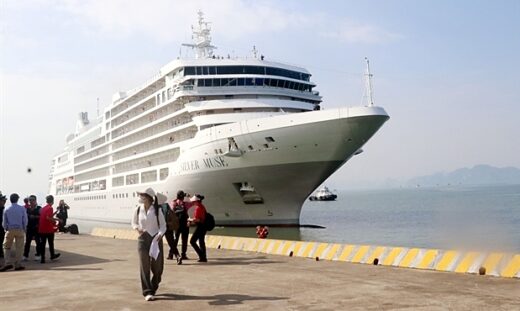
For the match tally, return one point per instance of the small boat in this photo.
(323, 194)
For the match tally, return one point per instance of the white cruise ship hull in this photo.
(283, 158)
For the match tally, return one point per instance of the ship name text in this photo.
(207, 163)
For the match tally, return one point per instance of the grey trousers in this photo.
(147, 264)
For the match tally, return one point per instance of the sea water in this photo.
(477, 218)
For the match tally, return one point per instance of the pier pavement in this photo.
(96, 273)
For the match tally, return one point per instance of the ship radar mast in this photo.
(368, 81)
(201, 39)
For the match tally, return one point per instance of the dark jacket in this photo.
(33, 216)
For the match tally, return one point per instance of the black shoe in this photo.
(184, 257)
(6, 267)
(179, 260)
(19, 268)
(170, 257)
(55, 256)
(42, 261)
(202, 260)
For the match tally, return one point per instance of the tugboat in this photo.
(323, 194)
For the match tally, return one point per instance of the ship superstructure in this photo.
(248, 133)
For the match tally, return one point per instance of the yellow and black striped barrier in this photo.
(496, 264)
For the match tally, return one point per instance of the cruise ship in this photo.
(248, 133)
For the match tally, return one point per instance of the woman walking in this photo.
(149, 222)
(198, 220)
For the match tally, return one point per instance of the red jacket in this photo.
(45, 225)
(200, 212)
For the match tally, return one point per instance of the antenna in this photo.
(201, 37)
(97, 107)
(368, 81)
(255, 51)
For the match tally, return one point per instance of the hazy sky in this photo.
(446, 71)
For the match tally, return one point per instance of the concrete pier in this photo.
(97, 273)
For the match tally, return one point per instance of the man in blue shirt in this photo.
(14, 223)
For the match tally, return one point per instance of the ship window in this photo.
(249, 81)
(200, 82)
(216, 82)
(163, 173)
(250, 147)
(212, 70)
(241, 81)
(149, 176)
(132, 179)
(188, 71)
(118, 181)
(269, 139)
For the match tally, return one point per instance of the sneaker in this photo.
(55, 256)
(24, 258)
(19, 268)
(6, 267)
(148, 297)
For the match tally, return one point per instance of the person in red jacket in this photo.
(200, 232)
(46, 228)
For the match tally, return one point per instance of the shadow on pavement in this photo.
(225, 261)
(218, 300)
(67, 261)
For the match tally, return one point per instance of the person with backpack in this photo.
(172, 225)
(180, 208)
(198, 220)
(148, 220)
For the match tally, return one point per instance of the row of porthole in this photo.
(121, 195)
(91, 197)
(103, 197)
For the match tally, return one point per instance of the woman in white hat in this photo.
(149, 222)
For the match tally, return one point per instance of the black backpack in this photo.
(209, 223)
(171, 218)
(73, 229)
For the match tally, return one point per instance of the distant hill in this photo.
(478, 175)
